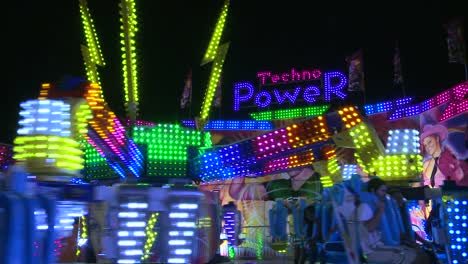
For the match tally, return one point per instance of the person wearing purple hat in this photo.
(442, 163)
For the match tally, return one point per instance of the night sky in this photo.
(43, 41)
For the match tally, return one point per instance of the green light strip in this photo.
(167, 146)
(96, 166)
(91, 53)
(217, 53)
(129, 60)
(90, 34)
(151, 235)
(214, 80)
(90, 67)
(213, 47)
(290, 113)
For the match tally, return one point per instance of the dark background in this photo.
(43, 41)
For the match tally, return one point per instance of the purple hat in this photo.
(430, 130)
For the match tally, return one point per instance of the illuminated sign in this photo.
(276, 88)
(293, 75)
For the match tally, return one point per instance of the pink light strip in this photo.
(458, 103)
(272, 143)
(454, 98)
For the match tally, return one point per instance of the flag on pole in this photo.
(397, 73)
(218, 95)
(455, 42)
(187, 93)
(356, 71)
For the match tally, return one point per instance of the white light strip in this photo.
(173, 233)
(139, 233)
(128, 214)
(188, 233)
(127, 243)
(137, 205)
(67, 221)
(177, 242)
(177, 233)
(187, 206)
(177, 260)
(75, 214)
(122, 233)
(126, 261)
(133, 252)
(82, 241)
(183, 251)
(185, 224)
(136, 224)
(178, 215)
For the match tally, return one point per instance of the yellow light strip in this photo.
(214, 80)
(213, 46)
(129, 60)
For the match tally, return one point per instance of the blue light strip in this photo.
(188, 123)
(238, 161)
(456, 211)
(386, 106)
(127, 161)
(232, 125)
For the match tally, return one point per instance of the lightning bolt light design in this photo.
(92, 54)
(215, 53)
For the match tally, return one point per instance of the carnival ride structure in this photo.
(153, 166)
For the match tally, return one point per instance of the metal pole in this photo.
(190, 96)
(466, 71)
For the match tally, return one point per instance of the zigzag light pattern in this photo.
(217, 54)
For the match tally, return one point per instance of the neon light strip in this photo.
(289, 162)
(129, 58)
(128, 123)
(151, 235)
(216, 53)
(454, 97)
(459, 102)
(232, 125)
(213, 47)
(91, 53)
(290, 113)
(386, 106)
(90, 34)
(214, 81)
(107, 135)
(213, 167)
(167, 147)
(455, 212)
